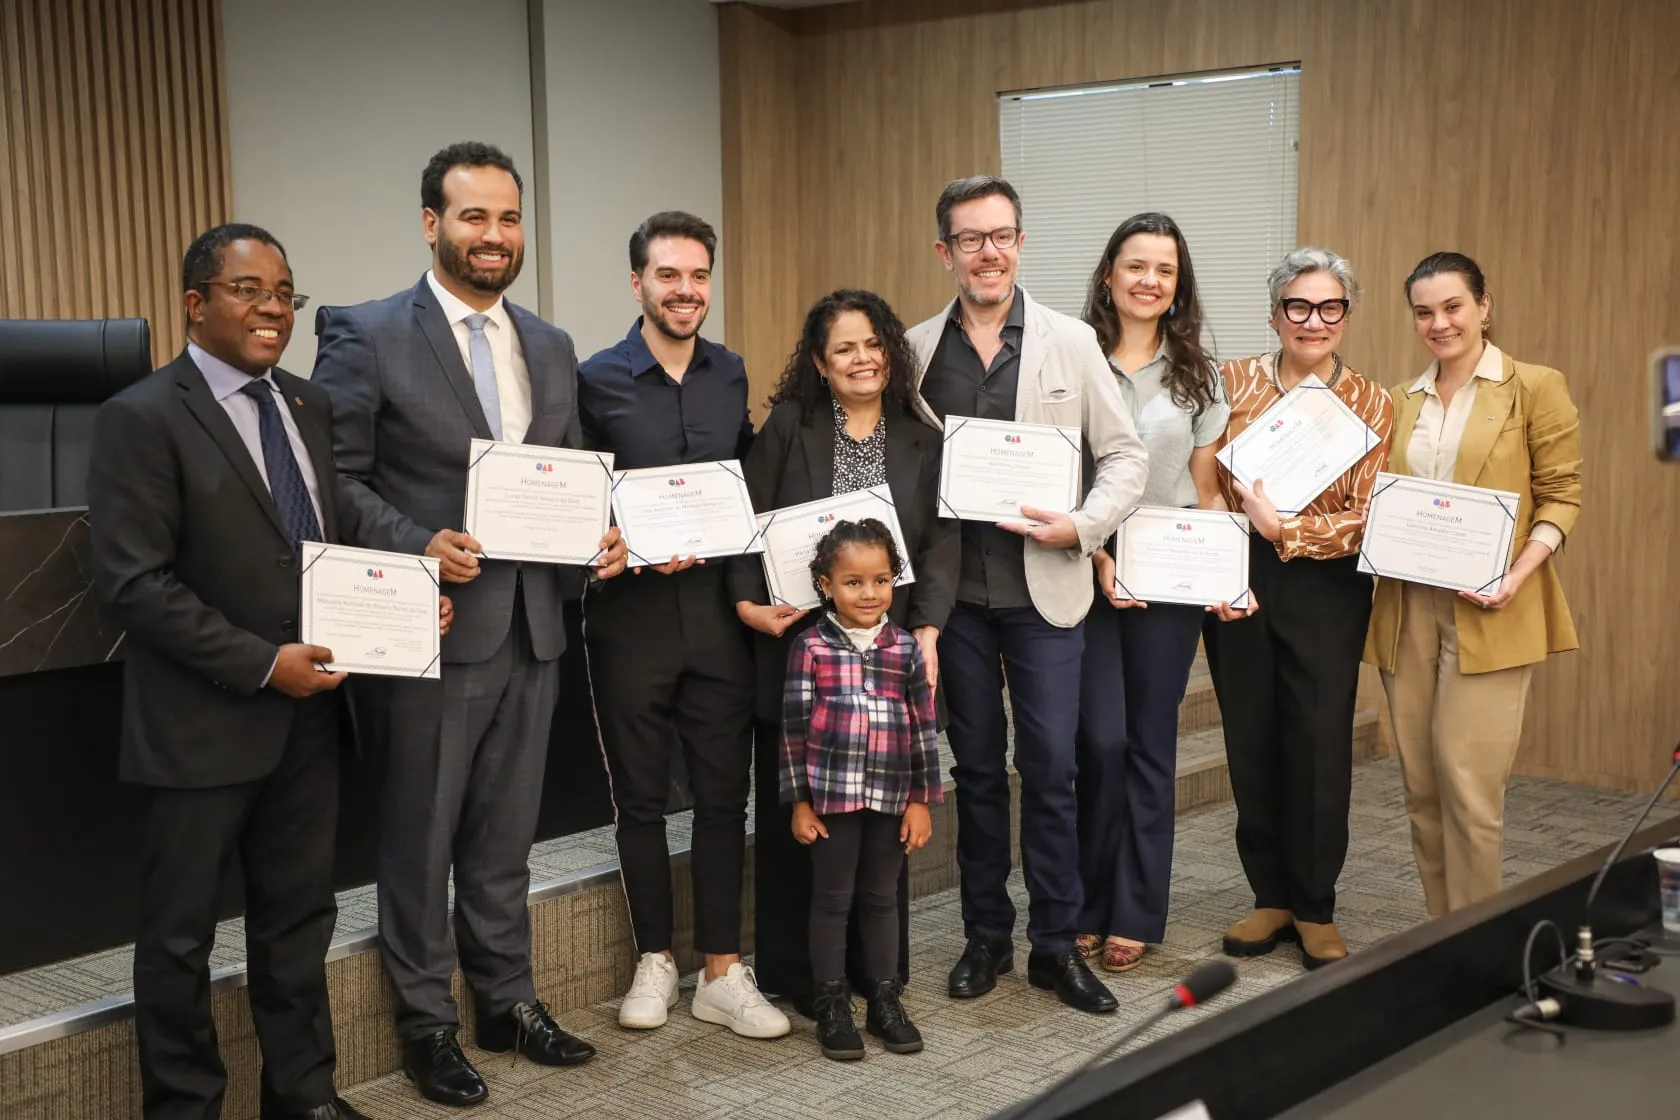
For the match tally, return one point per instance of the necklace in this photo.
(1277, 370)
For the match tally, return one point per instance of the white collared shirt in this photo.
(1432, 451)
(513, 381)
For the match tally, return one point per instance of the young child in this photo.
(860, 765)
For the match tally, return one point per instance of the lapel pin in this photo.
(299, 401)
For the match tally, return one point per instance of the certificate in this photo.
(790, 537)
(1299, 446)
(991, 468)
(376, 611)
(1193, 556)
(548, 505)
(1439, 533)
(690, 509)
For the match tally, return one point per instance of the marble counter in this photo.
(47, 615)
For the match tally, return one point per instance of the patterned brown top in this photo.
(1332, 524)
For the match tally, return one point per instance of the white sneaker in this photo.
(733, 1001)
(652, 993)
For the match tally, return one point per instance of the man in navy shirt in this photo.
(669, 659)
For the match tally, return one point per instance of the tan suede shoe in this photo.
(1320, 943)
(1259, 933)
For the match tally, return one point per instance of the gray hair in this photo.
(1298, 262)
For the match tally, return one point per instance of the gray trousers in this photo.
(463, 784)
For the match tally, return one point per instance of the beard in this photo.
(459, 265)
(655, 314)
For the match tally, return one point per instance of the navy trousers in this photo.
(1136, 668)
(977, 649)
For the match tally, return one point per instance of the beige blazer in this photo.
(1522, 437)
(1065, 380)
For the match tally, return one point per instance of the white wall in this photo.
(633, 126)
(334, 107)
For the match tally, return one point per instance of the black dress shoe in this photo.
(530, 1029)
(984, 959)
(1070, 978)
(336, 1109)
(441, 1072)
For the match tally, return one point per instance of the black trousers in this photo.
(861, 859)
(1287, 680)
(670, 668)
(280, 832)
(782, 875)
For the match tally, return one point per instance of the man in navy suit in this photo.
(413, 379)
(205, 477)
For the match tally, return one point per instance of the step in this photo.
(83, 1063)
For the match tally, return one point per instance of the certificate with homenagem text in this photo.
(376, 611)
(543, 505)
(1439, 533)
(992, 468)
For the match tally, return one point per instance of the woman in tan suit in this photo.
(1457, 667)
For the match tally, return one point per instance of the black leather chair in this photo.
(54, 373)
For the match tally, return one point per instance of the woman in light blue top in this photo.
(1144, 308)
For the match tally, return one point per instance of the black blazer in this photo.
(191, 558)
(793, 462)
(405, 413)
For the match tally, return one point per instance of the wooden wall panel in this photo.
(761, 212)
(1541, 137)
(113, 156)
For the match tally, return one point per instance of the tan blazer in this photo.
(1064, 379)
(1524, 437)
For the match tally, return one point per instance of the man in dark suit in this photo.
(205, 476)
(413, 379)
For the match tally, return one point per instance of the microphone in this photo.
(1614, 1006)
(1207, 981)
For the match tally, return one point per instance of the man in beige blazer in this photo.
(995, 354)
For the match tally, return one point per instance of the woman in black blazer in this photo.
(840, 421)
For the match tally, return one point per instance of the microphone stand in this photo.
(1611, 1005)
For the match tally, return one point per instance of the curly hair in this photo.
(803, 383)
(1190, 369)
(865, 531)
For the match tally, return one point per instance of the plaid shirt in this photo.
(858, 729)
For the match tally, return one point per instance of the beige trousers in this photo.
(1457, 736)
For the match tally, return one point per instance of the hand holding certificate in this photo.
(790, 537)
(688, 510)
(1299, 446)
(376, 611)
(994, 470)
(1193, 556)
(1439, 533)
(544, 505)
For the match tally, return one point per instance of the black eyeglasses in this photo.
(970, 240)
(251, 293)
(1330, 312)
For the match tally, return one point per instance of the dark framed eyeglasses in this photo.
(1330, 312)
(970, 240)
(251, 293)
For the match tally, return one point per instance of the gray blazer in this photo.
(404, 411)
(1064, 380)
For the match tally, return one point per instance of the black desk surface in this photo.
(1484, 1067)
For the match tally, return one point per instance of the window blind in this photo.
(1217, 152)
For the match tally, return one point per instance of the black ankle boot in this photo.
(835, 1029)
(888, 1022)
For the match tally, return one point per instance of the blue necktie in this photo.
(484, 372)
(285, 480)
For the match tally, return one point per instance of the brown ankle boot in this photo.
(1259, 933)
(1320, 943)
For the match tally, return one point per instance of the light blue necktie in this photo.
(484, 372)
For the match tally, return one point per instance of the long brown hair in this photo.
(1190, 370)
